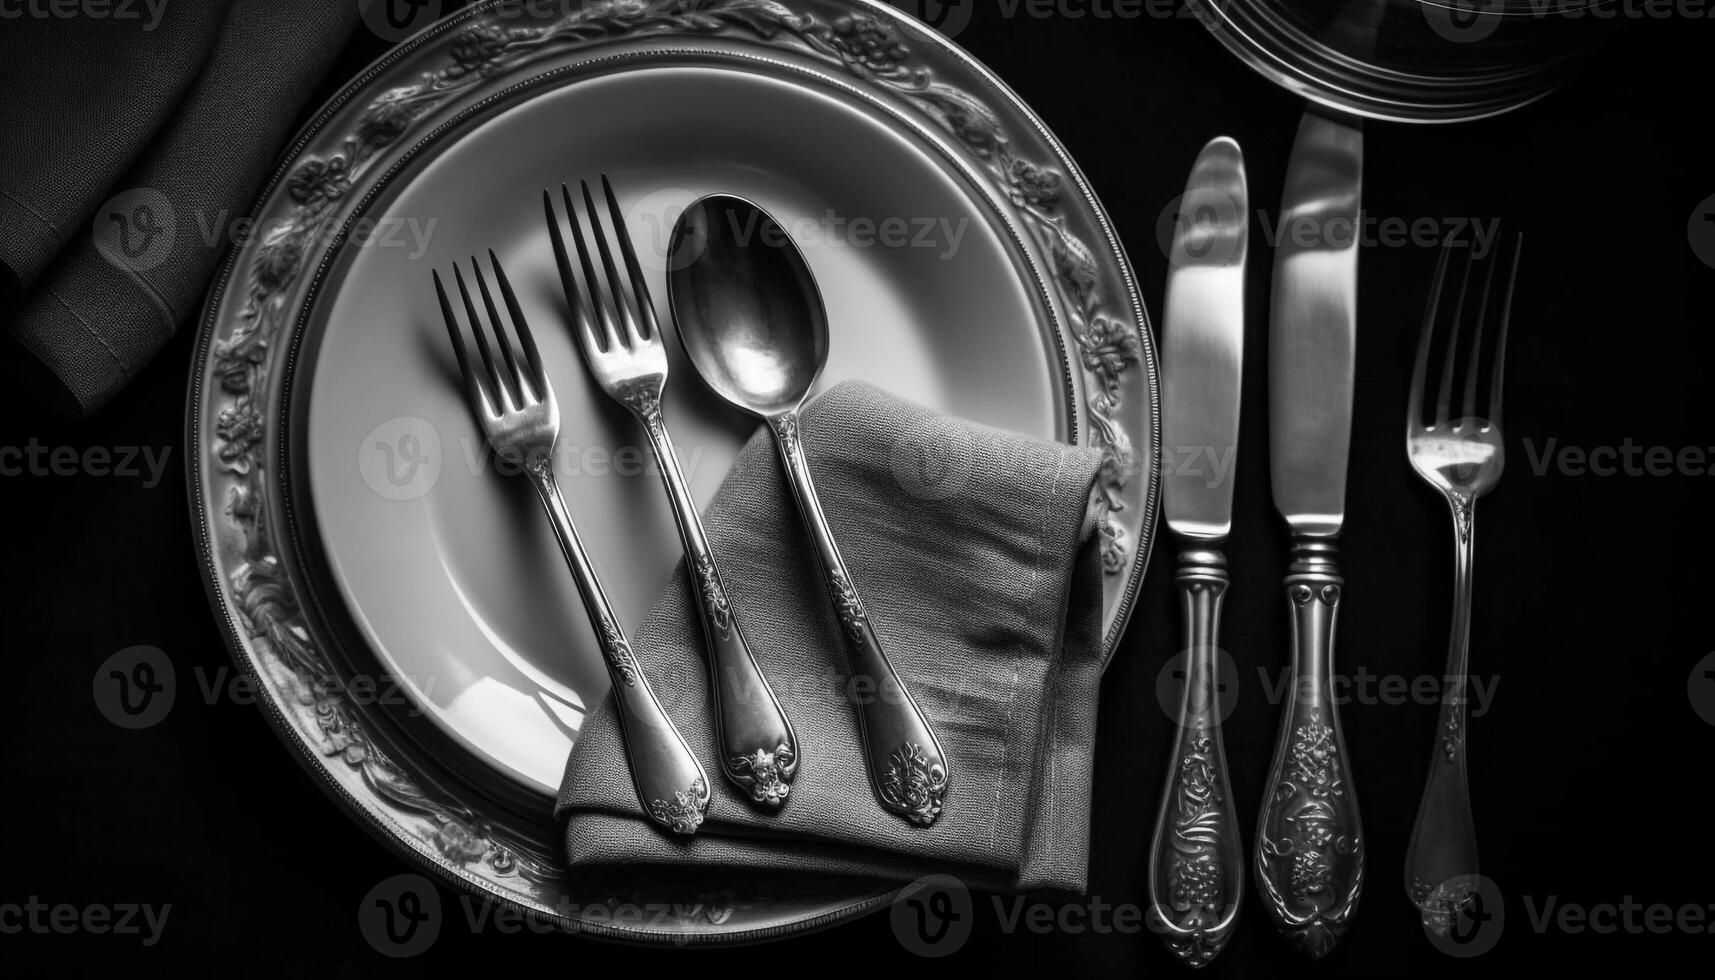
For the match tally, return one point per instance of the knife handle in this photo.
(1310, 846)
(1196, 861)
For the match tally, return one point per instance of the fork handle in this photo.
(1196, 862)
(1310, 846)
(907, 768)
(759, 750)
(670, 782)
(1441, 861)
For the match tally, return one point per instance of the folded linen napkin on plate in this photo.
(974, 552)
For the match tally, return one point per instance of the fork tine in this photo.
(1476, 361)
(495, 389)
(622, 299)
(474, 389)
(1497, 383)
(1443, 404)
(568, 279)
(646, 320)
(538, 376)
(1432, 312)
(600, 307)
(512, 386)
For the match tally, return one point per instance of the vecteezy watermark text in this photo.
(33, 915)
(1471, 21)
(148, 12)
(137, 687)
(138, 229)
(402, 916)
(147, 463)
(1628, 458)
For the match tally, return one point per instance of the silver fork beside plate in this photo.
(1462, 457)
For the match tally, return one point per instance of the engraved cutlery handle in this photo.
(907, 767)
(1196, 863)
(1310, 846)
(759, 750)
(670, 782)
(1441, 861)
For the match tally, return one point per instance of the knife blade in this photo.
(1196, 836)
(1310, 846)
(1203, 344)
(1313, 321)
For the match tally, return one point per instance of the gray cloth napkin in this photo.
(130, 149)
(974, 552)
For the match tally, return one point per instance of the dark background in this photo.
(1588, 771)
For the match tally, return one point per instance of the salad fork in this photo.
(1463, 457)
(620, 336)
(519, 416)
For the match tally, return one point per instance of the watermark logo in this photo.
(1476, 927)
(1201, 232)
(401, 917)
(651, 221)
(135, 229)
(1700, 688)
(396, 20)
(1203, 693)
(933, 916)
(1702, 231)
(950, 17)
(932, 459)
(401, 458)
(1215, 694)
(1463, 21)
(135, 687)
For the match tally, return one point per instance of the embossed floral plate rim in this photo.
(235, 417)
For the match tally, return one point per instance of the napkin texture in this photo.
(130, 149)
(974, 552)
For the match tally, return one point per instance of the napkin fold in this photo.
(131, 146)
(974, 552)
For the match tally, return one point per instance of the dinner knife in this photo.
(1310, 847)
(1196, 864)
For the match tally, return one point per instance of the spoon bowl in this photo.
(748, 310)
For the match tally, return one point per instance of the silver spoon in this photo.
(752, 321)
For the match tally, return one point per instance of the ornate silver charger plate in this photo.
(411, 627)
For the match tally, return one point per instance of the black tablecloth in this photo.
(1591, 592)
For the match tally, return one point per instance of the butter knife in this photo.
(1310, 846)
(1196, 864)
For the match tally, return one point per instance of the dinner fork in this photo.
(619, 333)
(1463, 457)
(519, 416)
